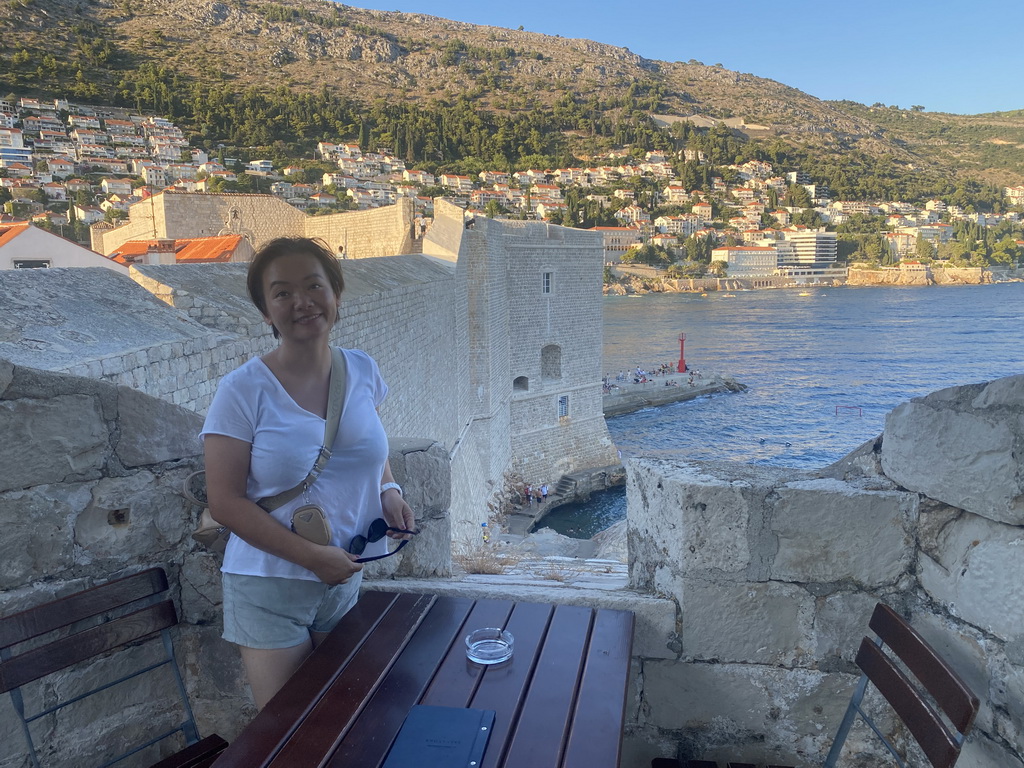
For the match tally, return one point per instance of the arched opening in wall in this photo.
(551, 362)
(521, 384)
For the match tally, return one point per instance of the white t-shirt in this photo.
(251, 405)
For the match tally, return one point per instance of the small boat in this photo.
(728, 295)
(804, 293)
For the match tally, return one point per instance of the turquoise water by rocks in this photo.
(822, 369)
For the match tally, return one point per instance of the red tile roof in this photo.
(186, 251)
(10, 231)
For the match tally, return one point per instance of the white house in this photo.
(23, 246)
(747, 260)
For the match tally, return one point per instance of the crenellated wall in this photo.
(776, 573)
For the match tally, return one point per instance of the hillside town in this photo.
(65, 167)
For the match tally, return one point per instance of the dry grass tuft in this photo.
(485, 559)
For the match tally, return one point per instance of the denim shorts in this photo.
(270, 612)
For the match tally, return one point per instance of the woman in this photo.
(264, 429)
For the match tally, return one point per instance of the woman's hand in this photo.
(397, 513)
(333, 565)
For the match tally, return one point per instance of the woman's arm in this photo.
(227, 470)
(396, 511)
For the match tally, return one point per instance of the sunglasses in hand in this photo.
(379, 528)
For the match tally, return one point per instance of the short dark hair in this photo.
(285, 246)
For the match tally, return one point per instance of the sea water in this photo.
(823, 367)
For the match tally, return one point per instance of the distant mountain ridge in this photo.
(311, 45)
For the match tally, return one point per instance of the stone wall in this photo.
(173, 214)
(89, 479)
(365, 234)
(451, 330)
(566, 322)
(776, 573)
(931, 275)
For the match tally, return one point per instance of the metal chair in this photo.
(941, 743)
(947, 696)
(89, 624)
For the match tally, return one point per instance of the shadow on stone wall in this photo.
(776, 572)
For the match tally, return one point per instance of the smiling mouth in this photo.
(309, 318)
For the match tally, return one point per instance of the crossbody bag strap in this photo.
(335, 408)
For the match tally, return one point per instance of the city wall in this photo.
(450, 330)
(776, 572)
(173, 214)
(921, 275)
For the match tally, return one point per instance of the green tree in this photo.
(924, 251)
(798, 196)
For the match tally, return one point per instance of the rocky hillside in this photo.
(311, 45)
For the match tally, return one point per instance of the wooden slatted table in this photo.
(559, 702)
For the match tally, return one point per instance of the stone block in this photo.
(841, 621)
(982, 752)
(746, 712)
(688, 522)
(199, 582)
(830, 531)
(757, 623)
(37, 532)
(154, 430)
(975, 572)
(950, 451)
(49, 441)
(131, 517)
(423, 470)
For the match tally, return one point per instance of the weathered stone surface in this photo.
(423, 466)
(840, 623)
(131, 517)
(976, 572)
(6, 375)
(748, 713)
(693, 522)
(200, 583)
(1007, 392)
(34, 384)
(947, 448)
(829, 531)
(215, 679)
(49, 441)
(37, 532)
(154, 430)
(982, 752)
(766, 623)
(969, 652)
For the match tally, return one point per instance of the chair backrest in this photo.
(108, 617)
(948, 696)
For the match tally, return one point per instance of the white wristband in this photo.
(389, 486)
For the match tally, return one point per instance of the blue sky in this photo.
(962, 56)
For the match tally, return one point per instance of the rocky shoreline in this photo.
(641, 281)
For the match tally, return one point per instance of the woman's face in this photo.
(300, 301)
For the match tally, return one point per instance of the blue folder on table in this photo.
(441, 737)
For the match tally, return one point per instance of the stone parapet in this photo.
(776, 572)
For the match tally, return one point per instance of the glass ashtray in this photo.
(490, 645)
